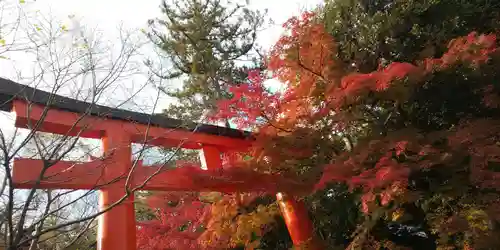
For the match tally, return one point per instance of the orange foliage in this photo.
(322, 102)
(299, 131)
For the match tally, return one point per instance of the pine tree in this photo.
(211, 45)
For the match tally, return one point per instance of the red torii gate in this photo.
(118, 129)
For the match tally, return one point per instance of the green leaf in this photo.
(254, 237)
(183, 228)
(22, 1)
(2, 42)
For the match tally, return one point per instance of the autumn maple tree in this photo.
(416, 140)
(417, 136)
(179, 221)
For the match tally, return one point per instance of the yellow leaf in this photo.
(2, 42)
(64, 28)
(22, 1)
(397, 214)
(210, 196)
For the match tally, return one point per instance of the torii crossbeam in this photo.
(115, 174)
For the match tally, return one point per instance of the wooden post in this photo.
(297, 221)
(117, 229)
(212, 157)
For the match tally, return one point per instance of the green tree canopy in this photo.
(211, 45)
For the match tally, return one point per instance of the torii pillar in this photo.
(121, 219)
(297, 221)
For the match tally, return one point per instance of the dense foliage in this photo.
(373, 32)
(402, 107)
(180, 220)
(418, 133)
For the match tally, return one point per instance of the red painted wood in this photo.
(117, 229)
(212, 157)
(62, 175)
(63, 122)
(77, 175)
(297, 221)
